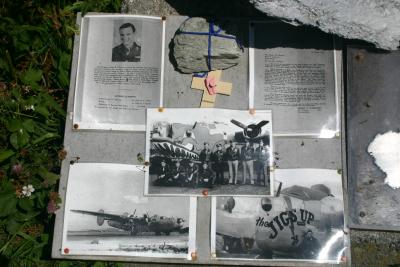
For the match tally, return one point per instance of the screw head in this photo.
(205, 192)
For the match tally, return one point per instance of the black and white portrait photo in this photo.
(126, 40)
(304, 221)
(219, 150)
(106, 213)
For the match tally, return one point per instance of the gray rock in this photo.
(375, 21)
(190, 51)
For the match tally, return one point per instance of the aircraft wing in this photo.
(106, 216)
(304, 193)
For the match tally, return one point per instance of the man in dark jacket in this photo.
(205, 154)
(219, 165)
(310, 246)
(206, 176)
(177, 175)
(162, 174)
(128, 50)
(262, 156)
(191, 172)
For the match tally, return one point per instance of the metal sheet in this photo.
(373, 97)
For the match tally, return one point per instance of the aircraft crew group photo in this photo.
(245, 163)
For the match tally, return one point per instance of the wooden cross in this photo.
(223, 88)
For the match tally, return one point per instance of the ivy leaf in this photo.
(6, 154)
(50, 177)
(8, 203)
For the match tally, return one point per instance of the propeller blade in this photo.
(239, 124)
(278, 192)
(262, 123)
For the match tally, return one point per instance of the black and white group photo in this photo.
(107, 214)
(222, 151)
(303, 221)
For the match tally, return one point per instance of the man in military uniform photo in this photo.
(233, 155)
(162, 174)
(205, 154)
(206, 176)
(128, 50)
(192, 172)
(262, 156)
(177, 175)
(247, 157)
(219, 165)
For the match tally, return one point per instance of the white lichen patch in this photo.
(385, 148)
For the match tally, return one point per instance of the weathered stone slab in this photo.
(375, 21)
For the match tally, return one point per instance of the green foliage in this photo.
(35, 57)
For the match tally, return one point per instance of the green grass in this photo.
(36, 40)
